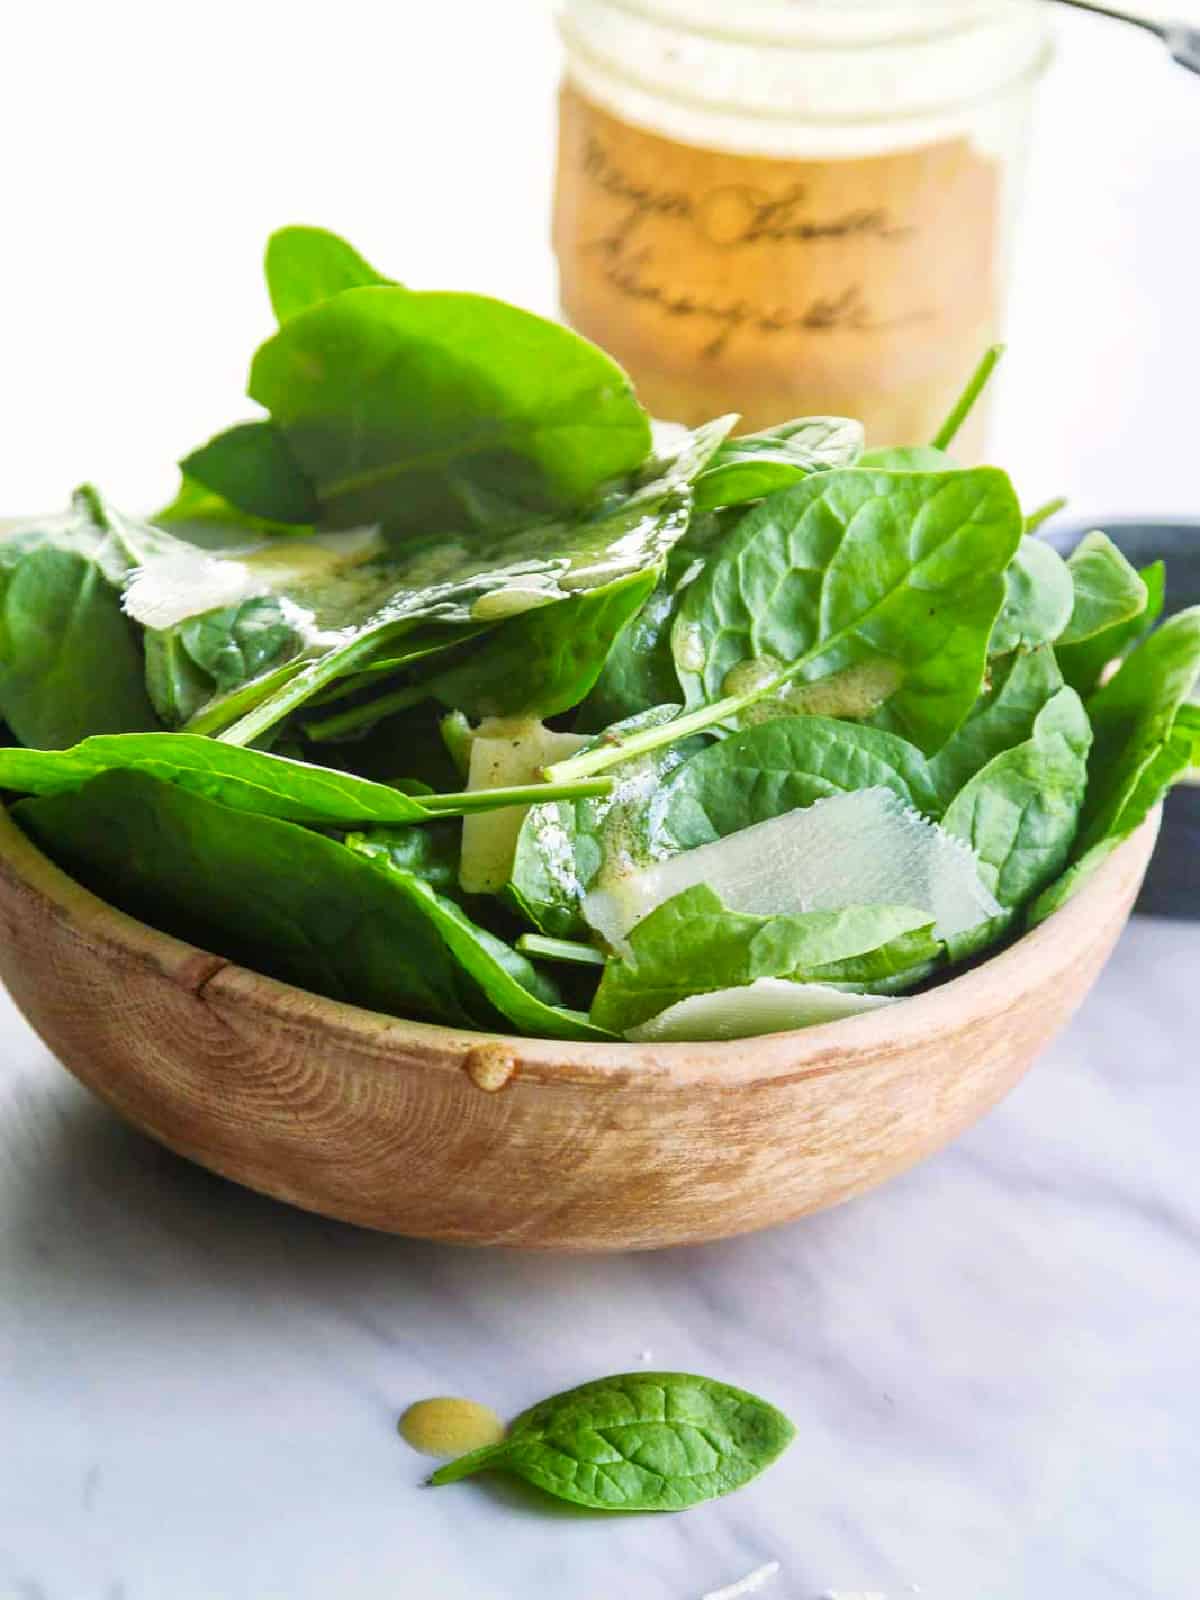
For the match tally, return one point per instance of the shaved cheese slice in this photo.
(183, 585)
(768, 1005)
(507, 752)
(865, 848)
(187, 582)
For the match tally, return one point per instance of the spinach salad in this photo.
(453, 686)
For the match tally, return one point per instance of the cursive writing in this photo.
(633, 277)
(731, 214)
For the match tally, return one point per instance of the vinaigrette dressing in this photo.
(787, 207)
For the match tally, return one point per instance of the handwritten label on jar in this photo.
(860, 285)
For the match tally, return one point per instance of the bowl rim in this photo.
(847, 1044)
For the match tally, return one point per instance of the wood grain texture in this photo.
(443, 1134)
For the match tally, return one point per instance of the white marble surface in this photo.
(992, 1362)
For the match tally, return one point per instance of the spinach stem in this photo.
(294, 693)
(373, 711)
(572, 950)
(966, 400)
(1043, 513)
(589, 762)
(219, 713)
(525, 795)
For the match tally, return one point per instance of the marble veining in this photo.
(991, 1362)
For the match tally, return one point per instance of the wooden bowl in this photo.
(443, 1134)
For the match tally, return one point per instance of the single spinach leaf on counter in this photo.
(445, 410)
(1107, 592)
(305, 266)
(756, 464)
(1020, 813)
(693, 944)
(1021, 686)
(640, 1441)
(271, 895)
(70, 662)
(251, 467)
(896, 576)
(1133, 717)
(565, 847)
(763, 771)
(1083, 664)
(1037, 602)
(374, 596)
(522, 995)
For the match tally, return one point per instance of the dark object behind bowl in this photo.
(1172, 885)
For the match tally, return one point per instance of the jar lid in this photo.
(845, 22)
(832, 61)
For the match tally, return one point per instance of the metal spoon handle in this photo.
(1183, 42)
(1160, 28)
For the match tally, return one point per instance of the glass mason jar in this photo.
(783, 207)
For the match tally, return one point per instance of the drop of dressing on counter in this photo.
(445, 1426)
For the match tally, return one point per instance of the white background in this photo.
(146, 150)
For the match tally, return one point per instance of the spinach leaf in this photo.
(192, 667)
(1037, 602)
(430, 852)
(640, 1441)
(237, 643)
(639, 672)
(544, 662)
(565, 848)
(177, 687)
(374, 596)
(265, 893)
(693, 944)
(1083, 664)
(897, 577)
(1021, 686)
(1132, 717)
(305, 266)
(243, 780)
(1020, 813)
(251, 467)
(70, 663)
(1107, 592)
(445, 410)
(539, 664)
(526, 999)
(1179, 753)
(205, 519)
(764, 771)
(756, 464)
